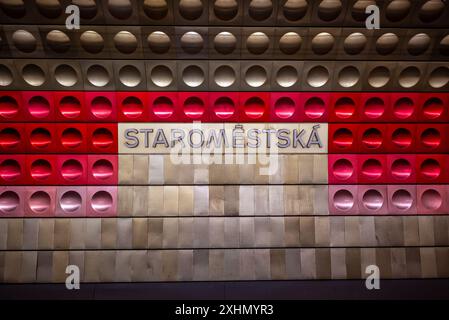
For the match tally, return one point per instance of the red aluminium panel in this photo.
(102, 138)
(11, 106)
(431, 168)
(372, 138)
(38, 106)
(12, 138)
(433, 107)
(286, 107)
(401, 138)
(372, 169)
(70, 106)
(164, 107)
(41, 169)
(343, 138)
(71, 137)
(223, 106)
(101, 106)
(102, 169)
(344, 107)
(314, 106)
(254, 107)
(72, 169)
(401, 168)
(132, 107)
(342, 168)
(13, 169)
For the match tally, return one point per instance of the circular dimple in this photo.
(102, 169)
(256, 76)
(163, 107)
(97, 75)
(129, 76)
(120, 9)
(284, 108)
(9, 107)
(254, 108)
(101, 107)
(402, 138)
(402, 199)
(348, 76)
(314, 108)
(193, 76)
(295, 10)
(329, 10)
(418, 44)
(372, 169)
(260, 9)
(322, 43)
(88, 8)
(342, 169)
(194, 107)
(286, 76)
(191, 9)
(409, 77)
(102, 138)
(10, 170)
(155, 9)
(224, 107)
(70, 107)
(226, 9)
(132, 107)
(431, 138)
(290, 43)
(5, 76)
(159, 42)
(71, 170)
(344, 108)
(24, 41)
(13, 8)
(257, 43)
(387, 43)
(431, 199)
(49, 8)
(444, 45)
(71, 138)
(65, 75)
(372, 200)
(38, 107)
(358, 9)
(92, 41)
(125, 42)
(433, 108)
(33, 75)
(379, 77)
(58, 41)
(398, 10)
(403, 108)
(41, 169)
(372, 138)
(401, 169)
(101, 201)
(70, 201)
(192, 42)
(374, 108)
(439, 77)
(431, 10)
(9, 138)
(355, 43)
(161, 76)
(224, 76)
(343, 138)
(39, 202)
(40, 138)
(225, 42)
(317, 76)
(430, 169)
(9, 201)
(343, 200)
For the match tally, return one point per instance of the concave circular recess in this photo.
(191, 9)
(102, 169)
(260, 10)
(97, 75)
(439, 77)
(314, 108)
(101, 201)
(284, 107)
(444, 46)
(402, 199)
(355, 43)
(33, 75)
(401, 169)
(318, 76)
(343, 138)
(398, 10)
(372, 169)
(431, 199)
(430, 168)
(58, 41)
(192, 42)
(257, 43)
(41, 169)
(39, 202)
(372, 200)
(102, 138)
(163, 107)
(70, 201)
(374, 108)
(193, 76)
(9, 201)
(9, 107)
(402, 138)
(132, 107)
(120, 9)
(13, 8)
(24, 41)
(159, 42)
(295, 10)
(290, 43)
(343, 200)
(431, 138)
(5, 76)
(329, 10)
(409, 77)
(71, 138)
(155, 9)
(49, 8)
(130, 76)
(71, 170)
(254, 108)
(403, 108)
(431, 10)
(379, 77)
(224, 107)
(88, 8)
(344, 108)
(287, 76)
(224, 76)
(342, 169)
(9, 138)
(161, 76)
(40, 138)
(418, 44)
(433, 108)
(65, 75)
(70, 107)
(125, 42)
(322, 43)
(92, 41)
(101, 107)
(359, 8)
(38, 107)
(10, 170)
(256, 76)
(372, 138)
(226, 9)
(225, 42)
(348, 77)
(194, 107)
